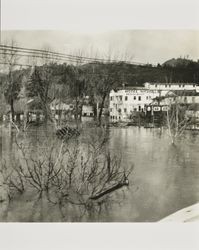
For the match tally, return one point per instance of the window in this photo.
(134, 97)
(139, 108)
(111, 98)
(180, 85)
(111, 110)
(183, 85)
(147, 97)
(166, 86)
(194, 85)
(139, 98)
(126, 98)
(124, 110)
(120, 98)
(193, 98)
(156, 85)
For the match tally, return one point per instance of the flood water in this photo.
(165, 177)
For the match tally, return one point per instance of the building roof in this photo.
(172, 83)
(129, 88)
(183, 93)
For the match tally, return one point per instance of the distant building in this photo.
(123, 102)
(193, 113)
(87, 110)
(188, 97)
(171, 86)
(59, 106)
(153, 97)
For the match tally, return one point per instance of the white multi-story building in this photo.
(124, 102)
(171, 86)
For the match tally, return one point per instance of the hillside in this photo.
(177, 62)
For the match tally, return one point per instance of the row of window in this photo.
(139, 98)
(115, 117)
(185, 98)
(125, 110)
(169, 85)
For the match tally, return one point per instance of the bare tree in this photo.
(176, 120)
(69, 173)
(10, 60)
(41, 85)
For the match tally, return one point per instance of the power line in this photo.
(38, 56)
(52, 56)
(62, 55)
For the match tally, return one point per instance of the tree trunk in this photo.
(95, 111)
(12, 109)
(101, 109)
(110, 190)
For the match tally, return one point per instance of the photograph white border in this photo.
(105, 15)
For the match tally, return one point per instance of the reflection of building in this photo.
(123, 102)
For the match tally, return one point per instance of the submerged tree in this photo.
(12, 79)
(176, 121)
(84, 176)
(41, 84)
(105, 77)
(75, 80)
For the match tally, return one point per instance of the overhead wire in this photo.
(58, 55)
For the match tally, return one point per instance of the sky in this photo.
(144, 46)
(145, 31)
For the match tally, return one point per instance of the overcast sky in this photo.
(71, 25)
(147, 46)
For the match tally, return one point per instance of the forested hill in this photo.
(173, 70)
(180, 71)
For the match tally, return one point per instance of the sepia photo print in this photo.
(99, 126)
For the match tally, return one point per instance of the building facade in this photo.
(127, 101)
(124, 102)
(171, 86)
(190, 98)
(87, 110)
